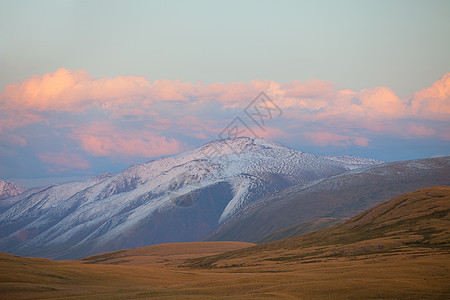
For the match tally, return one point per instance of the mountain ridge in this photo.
(173, 199)
(9, 189)
(339, 196)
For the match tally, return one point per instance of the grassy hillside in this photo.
(124, 275)
(164, 254)
(302, 228)
(397, 250)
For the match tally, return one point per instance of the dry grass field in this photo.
(397, 250)
(164, 255)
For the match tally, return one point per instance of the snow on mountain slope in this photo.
(178, 198)
(340, 196)
(8, 190)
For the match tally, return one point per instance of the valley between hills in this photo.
(399, 249)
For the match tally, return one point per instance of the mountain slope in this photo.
(301, 228)
(416, 222)
(173, 199)
(339, 196)
(9, 189)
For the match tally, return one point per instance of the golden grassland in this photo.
(164, 255)
(399, 249)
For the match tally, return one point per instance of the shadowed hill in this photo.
(341, 196)
(416, 221)
(302, 228)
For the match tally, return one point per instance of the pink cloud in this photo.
(62, 161)
(433, 102)
(13, 139)
(10, 120)
(231, 94)
(272, 133)
(374, 103)
(380, 100)
(17, 140)
(323, 138)
(189, 125)
(103, 139)
(420, 130)
(170, 90)
(201, 111)
(67, 90)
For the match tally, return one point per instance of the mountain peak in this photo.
(236, 145)
(9, 189)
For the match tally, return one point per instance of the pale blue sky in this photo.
(356, 44)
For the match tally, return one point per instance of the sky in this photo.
(90, 87)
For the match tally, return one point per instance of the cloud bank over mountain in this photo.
(87, 121)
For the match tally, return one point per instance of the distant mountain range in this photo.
(174, 199)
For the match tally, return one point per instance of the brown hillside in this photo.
(164, 254)
(302, 228)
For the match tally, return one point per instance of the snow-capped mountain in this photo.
(9, 189)
(173, 199)
(340, 196)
